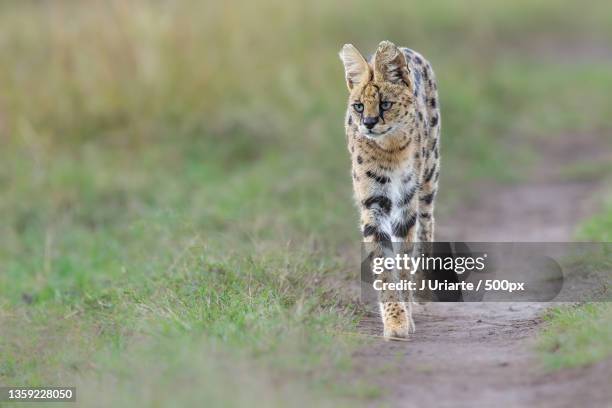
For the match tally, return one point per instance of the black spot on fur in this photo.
(378, 178)
(402, 228)
(434, 121)
(379, 236)
(425, 215)
(381, 201)
(383, 237)
(405, 145)
(369, 230)
(418, 59)
(428, 199)
(420, 116)
(359, 159)
(407, 197)
(429, 174)
(433, 102)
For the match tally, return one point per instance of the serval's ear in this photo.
(390, 64)
(356, 69)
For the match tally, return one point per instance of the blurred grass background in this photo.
(175, 183)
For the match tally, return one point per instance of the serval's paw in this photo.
(397, 321)
(396, 331)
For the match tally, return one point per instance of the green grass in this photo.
(599, 228)
(577, 335)
(174, 188)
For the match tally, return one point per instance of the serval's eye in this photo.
(386, 105)
(358, 107)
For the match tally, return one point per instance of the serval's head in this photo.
(380, 99)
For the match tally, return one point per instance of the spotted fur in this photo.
(393, 129)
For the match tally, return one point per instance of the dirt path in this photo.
(481, 354)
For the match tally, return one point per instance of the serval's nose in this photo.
(370, 121)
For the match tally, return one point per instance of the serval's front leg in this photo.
(377, 229)
(405, 226)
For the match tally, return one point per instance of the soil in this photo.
(483, 354)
